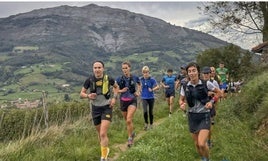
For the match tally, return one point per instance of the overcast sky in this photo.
(178, 13)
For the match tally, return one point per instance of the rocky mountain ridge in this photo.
(104, 28)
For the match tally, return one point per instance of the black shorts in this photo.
(232, 90)
(199, 121)
(170, 93)
(101, 113)
(124, 104)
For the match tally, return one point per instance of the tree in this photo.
(67, 98)
(236, 60)
(244, 17)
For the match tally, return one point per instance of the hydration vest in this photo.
(105, 86)
(131, 84)
(199, 92)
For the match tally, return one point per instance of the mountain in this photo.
(70, 38)
(111, 30)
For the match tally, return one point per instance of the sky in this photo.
(179, 13)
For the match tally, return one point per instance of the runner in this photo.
(148, 86)
(182, 77)
(196, 93)
(129, 89)
(206, 73)
(101, 103)
(214, 76)
(234, 87)
(223, 74)
(169, 82)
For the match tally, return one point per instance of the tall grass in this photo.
(71, 141)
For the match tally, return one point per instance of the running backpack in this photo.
(105, 86)
(131, 84)
(201, 93)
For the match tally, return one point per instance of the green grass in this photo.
(31, 77)
(38, 68)
(232, 139)
(22, 48)
(30, 94)
(34, 80)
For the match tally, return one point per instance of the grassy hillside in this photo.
(240, 134)
(22, 73)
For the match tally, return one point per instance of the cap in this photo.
(183, 66)
(206, 69)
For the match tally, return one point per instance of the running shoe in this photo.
(204, 159)
(102, 159)
(130, 142)
(131, 139)
(145, 127)
(151, 127)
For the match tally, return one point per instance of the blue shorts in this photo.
(223, 86)
(169, 93)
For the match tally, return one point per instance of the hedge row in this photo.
(20, 123)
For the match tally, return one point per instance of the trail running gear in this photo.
(106, 157)
(130, 140)
(145, 127)
(104, 83)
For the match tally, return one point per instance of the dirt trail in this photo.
(123, 147)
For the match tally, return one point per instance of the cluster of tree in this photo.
(239, 17)
(238, 61)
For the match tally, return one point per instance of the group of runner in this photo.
(200, 94)
(97, 88)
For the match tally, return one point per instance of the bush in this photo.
(20, 123)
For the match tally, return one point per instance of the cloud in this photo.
(197, 22)
(177, 13)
